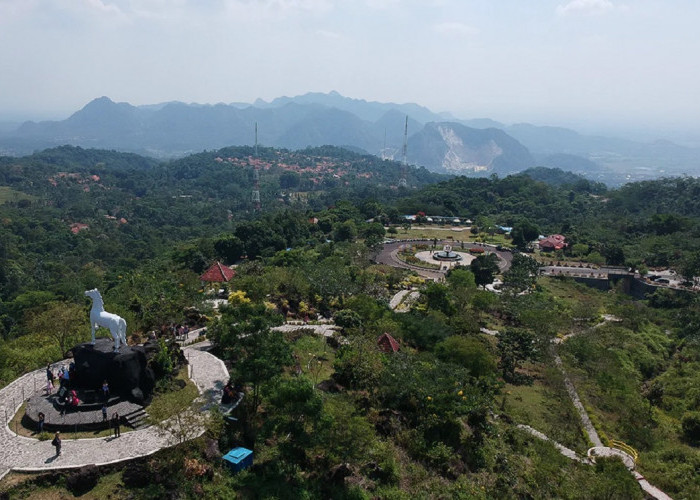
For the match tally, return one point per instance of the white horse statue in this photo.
(100, 317)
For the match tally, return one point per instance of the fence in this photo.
(625, 447)
(17, 392)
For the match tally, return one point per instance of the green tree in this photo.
(437, 298)
(345, 231)
(691, 427)
(579, 249)
(459, 277)
(484, 268)
(295, 416)
(374, 234)
(613, 481)
(522, 274)
(523, 233)
(229, 248)
(63, 323)
(358, 364)
(243, 334)
(347, 318)
(289, 180)
(468, 352)
(515, 346)
(347, 436)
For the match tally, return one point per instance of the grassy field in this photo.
(9, 194)
(546, 407)
(447, 233)
(315, 357)
(164, 404)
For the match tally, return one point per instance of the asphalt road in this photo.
(388, 256)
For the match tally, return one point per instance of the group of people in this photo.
(64, 377)
(72, 401)
(178, 331)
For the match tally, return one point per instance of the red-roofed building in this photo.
(218, 273)
(387, 343)
(76, 227)
(553, 242)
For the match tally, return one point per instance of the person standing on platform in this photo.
(57, 442)
(104, 412)
(115, 424)
(42, 419)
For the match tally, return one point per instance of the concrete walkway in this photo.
(28, 454)
(598, 450)
(583, 414)
(402, 301)
(326, 330)
(567, 452)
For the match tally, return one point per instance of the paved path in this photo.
(567, 452)
(649, 489)
(28, 454)
(397, 299)
(402, 301)
(326, 330)
(585, 421)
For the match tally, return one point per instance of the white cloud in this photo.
(332, 35)
(382, 4)
(454, 29)
(311, 5)
(585, 7)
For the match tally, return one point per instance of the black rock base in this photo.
(126, 371)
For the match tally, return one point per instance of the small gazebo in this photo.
(218, 273)
(387, 343)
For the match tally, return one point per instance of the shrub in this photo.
(82, 480)
(691, 427)
(162, 363)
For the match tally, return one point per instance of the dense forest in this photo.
(338, 417)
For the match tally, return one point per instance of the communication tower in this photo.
(256, 174)
(404, 164)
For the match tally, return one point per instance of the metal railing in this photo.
(624, 447)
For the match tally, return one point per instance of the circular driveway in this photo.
(388, 256)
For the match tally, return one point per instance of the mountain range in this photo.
(438, 141)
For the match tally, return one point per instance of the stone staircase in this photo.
(137, 419)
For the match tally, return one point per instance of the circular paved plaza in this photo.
(28, 454)
(427, 256)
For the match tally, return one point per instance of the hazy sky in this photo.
(544, 61)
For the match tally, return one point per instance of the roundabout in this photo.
(389, 256)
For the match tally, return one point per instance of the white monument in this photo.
(100, 317)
